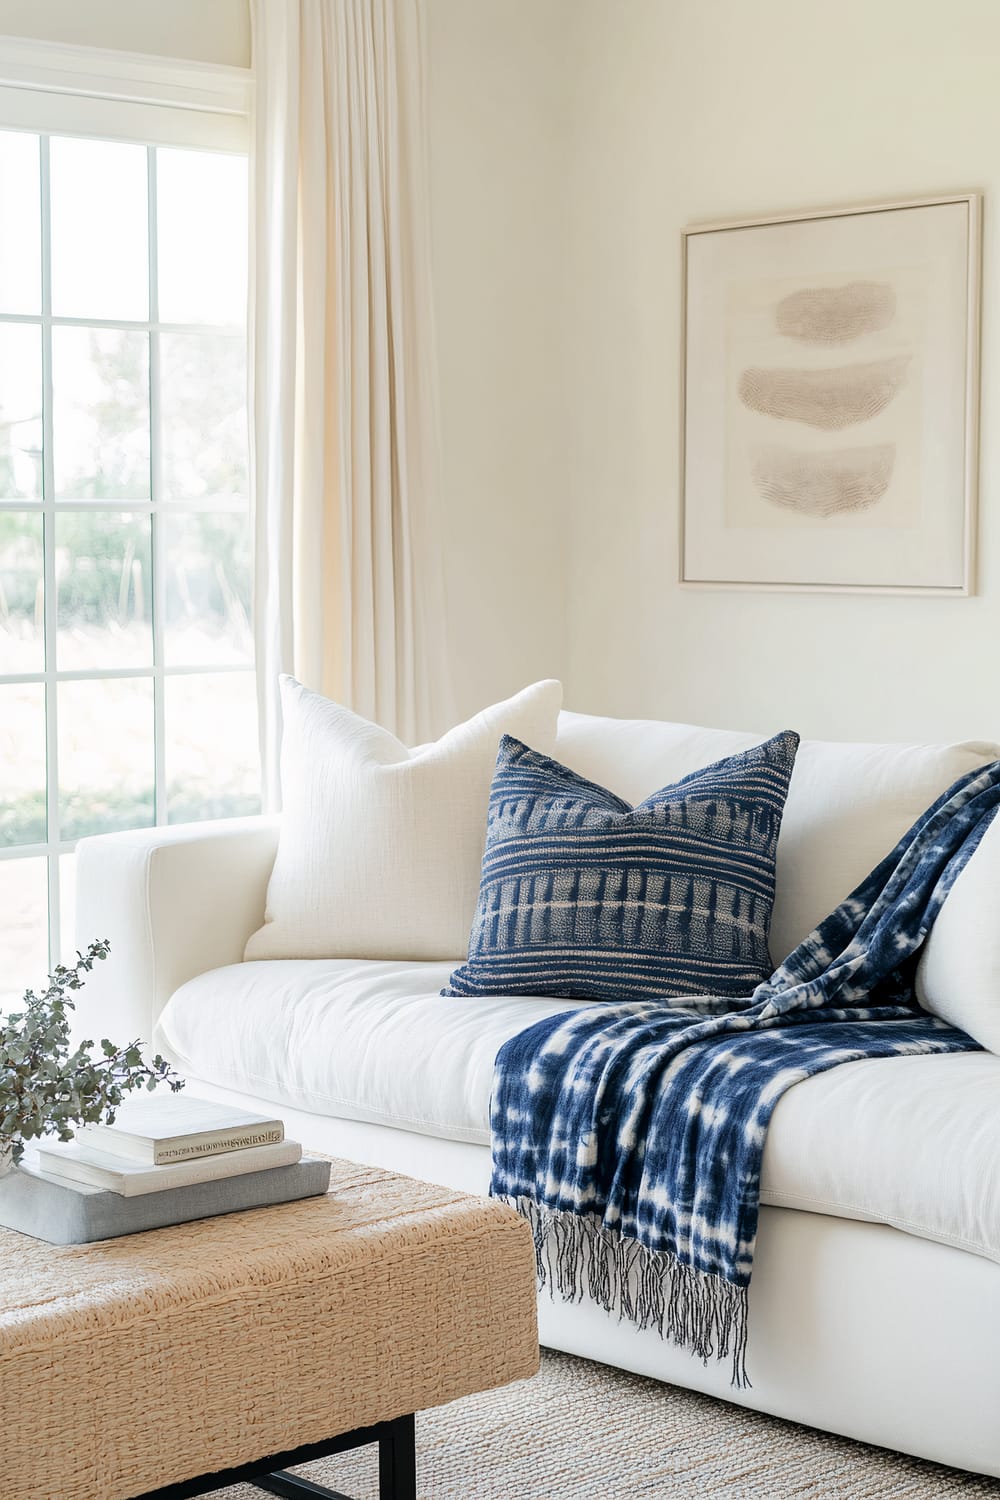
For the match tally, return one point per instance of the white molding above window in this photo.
(134, 77)
(49, 86)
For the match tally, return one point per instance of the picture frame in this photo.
(830, 399)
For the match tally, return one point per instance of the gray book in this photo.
(75, 1213)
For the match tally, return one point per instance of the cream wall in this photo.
(703, 109)
(214, 31)
(499, 119)
(569, 142)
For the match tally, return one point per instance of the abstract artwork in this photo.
(830, 399)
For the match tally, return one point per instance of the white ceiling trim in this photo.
(129, 77)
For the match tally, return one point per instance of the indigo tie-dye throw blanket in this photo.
(631, 1134)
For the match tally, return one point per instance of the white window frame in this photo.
(51, 89)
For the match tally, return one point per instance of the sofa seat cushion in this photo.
(355, 1038)
(909, 1141)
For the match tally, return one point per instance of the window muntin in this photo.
(127, 693)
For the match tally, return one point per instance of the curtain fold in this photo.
(349, 586)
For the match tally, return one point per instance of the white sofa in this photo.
(875, 1300)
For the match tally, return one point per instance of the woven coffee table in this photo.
(176, 1362)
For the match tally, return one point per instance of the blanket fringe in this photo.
(696, 1310)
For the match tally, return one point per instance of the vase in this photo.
(6, 1157)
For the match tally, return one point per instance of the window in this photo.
(127, 693)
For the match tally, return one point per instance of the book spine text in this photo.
(236, 1140)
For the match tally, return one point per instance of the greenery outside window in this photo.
(127, 693)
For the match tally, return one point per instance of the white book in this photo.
(158, 1129)
(84, 1163)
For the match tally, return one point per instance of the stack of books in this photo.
(166, 1159)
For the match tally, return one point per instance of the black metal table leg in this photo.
(397, 1467)
(397, 1461)
(293, 1487)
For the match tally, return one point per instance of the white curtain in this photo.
(349, 582)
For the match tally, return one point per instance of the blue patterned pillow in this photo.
(584, 896)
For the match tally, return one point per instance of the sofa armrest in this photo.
(174, 902)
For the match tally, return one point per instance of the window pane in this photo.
(104, 590)
(20, 224)
(22, 764)
(20, 412)
(202, 234)
(105, 756)
(22, 623)
(204, 415)
(207, 589)
(24, 956)
(212, 765)
(99, 229)
(100, 414)
(103, 453)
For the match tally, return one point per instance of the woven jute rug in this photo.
(579, 1431)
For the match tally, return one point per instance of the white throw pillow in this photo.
(958, 977)
(848, 804)
(380, 848)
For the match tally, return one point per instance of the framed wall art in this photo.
(830, 399)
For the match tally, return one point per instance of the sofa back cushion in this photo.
(848, 804)
(381, 846)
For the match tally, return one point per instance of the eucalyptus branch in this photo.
(47, 1087)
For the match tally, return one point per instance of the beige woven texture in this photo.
(141, 1361)
(582, 1431)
